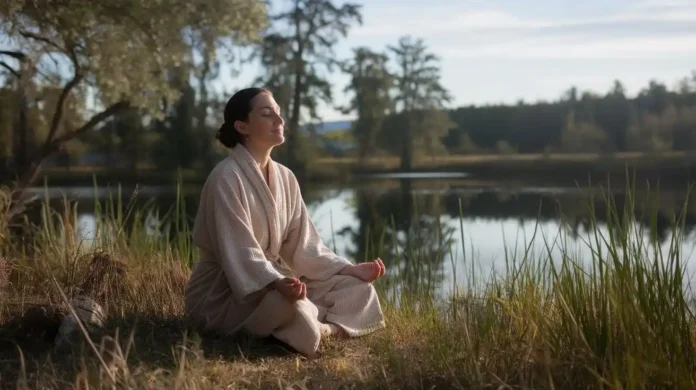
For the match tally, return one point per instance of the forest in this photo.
(72, 96)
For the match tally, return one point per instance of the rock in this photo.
(89, 312)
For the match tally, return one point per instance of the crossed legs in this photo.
(342, 305)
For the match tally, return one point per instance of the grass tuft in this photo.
(622, 320)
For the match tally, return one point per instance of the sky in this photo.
(503, 51)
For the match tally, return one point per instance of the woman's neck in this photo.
(261, 155)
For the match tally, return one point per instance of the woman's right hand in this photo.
(291, 288)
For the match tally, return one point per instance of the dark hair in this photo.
(237, 109)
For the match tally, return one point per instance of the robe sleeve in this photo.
(303, 249)
(229, 226)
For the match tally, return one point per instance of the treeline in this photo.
(134, 85)
(656, 119)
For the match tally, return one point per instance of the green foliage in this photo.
(504, 147)
(400, 110)
(639, 123)
(623, 319)
(579, 137)
(276, 56)
(673, 129)
(124, 47)
(73, 150)
(417, 76)
(466, 145)
(118, 53)
(179, 144)
(420, 132)
(339, 135)
(371, 85)
(297, 52)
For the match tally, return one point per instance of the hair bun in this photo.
(237, 109)
(228, 135)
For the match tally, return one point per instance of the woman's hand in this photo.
(367, 272)
(291, 288)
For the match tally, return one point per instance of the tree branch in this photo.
(19, 198)
(8, 67)
(14, 54)
(27, 34)
(58, 112)
(89, 125)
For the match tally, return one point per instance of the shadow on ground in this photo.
(27, 346)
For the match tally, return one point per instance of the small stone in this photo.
(89, 312)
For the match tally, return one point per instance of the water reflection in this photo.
(433, 233)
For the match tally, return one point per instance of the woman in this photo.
(263, 268)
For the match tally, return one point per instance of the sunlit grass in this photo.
(622, 320)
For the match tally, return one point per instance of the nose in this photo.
(280, 118)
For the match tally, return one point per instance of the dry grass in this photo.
(624, 322)
(146, 342)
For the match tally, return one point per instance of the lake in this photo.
(440, 229)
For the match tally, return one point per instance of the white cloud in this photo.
(619, 48)
(452, 31)
(437, 20)
(665, 3)
(434, 20)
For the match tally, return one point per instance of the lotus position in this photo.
(263, 268)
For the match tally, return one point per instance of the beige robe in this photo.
(250, 234)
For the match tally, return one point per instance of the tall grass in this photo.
(621, 320)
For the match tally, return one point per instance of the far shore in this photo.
(557, 168)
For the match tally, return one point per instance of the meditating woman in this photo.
(263, 267)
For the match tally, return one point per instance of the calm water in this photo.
(437, 229)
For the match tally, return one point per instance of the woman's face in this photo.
(264, 127)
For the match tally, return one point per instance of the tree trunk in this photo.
(291, 137)
(21, 147)
(27, 173)
(407, 150)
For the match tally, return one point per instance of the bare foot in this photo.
(332, 330)
(367, 272)
(324, 329)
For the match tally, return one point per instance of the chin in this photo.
(279, 140)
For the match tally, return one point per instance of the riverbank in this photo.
(669, 167)
(621, 322)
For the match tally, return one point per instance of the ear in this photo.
(240, 127)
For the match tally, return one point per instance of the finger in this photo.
(303, 292)
(296, 290)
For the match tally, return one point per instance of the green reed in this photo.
(621, 319)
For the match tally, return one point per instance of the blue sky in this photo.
(497, 51)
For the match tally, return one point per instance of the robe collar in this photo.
(269, 194)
